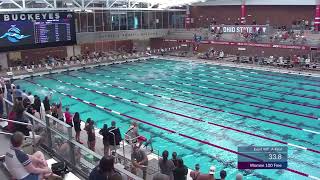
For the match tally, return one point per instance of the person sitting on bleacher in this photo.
(23, 166)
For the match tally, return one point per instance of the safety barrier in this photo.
(56, 138)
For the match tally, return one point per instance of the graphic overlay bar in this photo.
(273, 157)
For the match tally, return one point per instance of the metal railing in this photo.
(55, 137)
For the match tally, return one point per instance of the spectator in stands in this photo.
(54, 111)
(24, 95)
(160, 176)
(209, 176)
(89, 127)
(2, 85)
(77, 126)
(239, 177)
(68, 117)
(46, 103)
(105, 170)
(166, 166)
(105, 134)
(221, 55)
(295, 61)
(174, 159)
(17, 92)
(307, 62)
(181, 171)
(60, 115)
(223, 175)
(22, 165)
(139, 160)
(115, 136)
(1, 103)
(31, 98)
(19, 117)
(195, 174)
(37, 103)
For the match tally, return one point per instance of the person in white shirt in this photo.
(281, 62)
(307, 62)
(30, 97)
(221, 55)
(23, 166)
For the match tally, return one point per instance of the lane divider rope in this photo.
(198, 105)
(244, 80)
(238, 85)
(246, 69)
(246, 87)
(253, 105)
(244, 74)
(198, 119)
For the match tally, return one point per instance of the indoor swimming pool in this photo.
(201, 111)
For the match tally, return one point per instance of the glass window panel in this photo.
(107, 21)
(98, 19)
(83, 22)
(123, 20)
(115, 21)
(165, 20)
(132, 21)
(90, 22)
(159, 21)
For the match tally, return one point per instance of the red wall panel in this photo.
(34, 55)
(228, 49)
(277, 15)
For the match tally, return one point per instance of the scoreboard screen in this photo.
(36, 30)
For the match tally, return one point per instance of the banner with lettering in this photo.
(262, 29)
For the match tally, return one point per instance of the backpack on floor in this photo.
(59, 168)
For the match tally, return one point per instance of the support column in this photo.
(187, 18)
(243, 12)
(317, 17)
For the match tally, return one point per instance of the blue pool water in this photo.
(219, 106)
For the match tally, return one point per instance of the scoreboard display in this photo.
(36, 30)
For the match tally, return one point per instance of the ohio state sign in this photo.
(239, 28)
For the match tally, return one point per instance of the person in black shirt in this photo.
(105, 133)
(114, 136)
(77, 128)
(105, 170)
(37, 103)
(181, 171)
(46, 103)
(223, 175)
(89, 127)
(174, 159)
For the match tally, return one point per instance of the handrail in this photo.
(130, 139)
(58, 121)
(9, 102)
(14, 121)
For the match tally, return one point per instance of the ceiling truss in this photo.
(80, 5)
